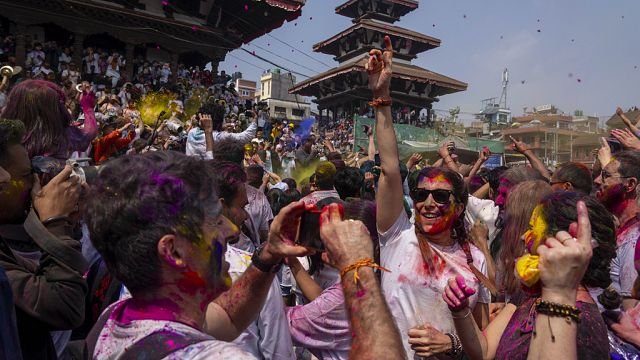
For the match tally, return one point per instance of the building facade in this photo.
(246, 89)
(274, 90)
(554, 137)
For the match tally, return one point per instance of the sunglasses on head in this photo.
(440, 196)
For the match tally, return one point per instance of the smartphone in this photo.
(615, 145)
(309, 232)
(451, 147)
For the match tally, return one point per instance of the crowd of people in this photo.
(225, 234)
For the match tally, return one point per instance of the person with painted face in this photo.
(268, 336)
(167, 244)
(617, 189)
(560, 302)
(421, 257)
(43, 262)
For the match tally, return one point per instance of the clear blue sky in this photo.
(597, 71)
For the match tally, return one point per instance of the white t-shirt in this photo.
(268, 337)
(115, 338)
(414, 295)
(485, 210)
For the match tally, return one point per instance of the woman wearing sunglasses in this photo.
(421, 257)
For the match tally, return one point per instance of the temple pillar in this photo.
(78, 50)
(129, 57)
(174, 67)
(21, 44)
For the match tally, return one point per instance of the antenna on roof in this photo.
(505, 83)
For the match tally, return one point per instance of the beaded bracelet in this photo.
(569, 312)
(366, 262)
(456, 345)
(380, 102)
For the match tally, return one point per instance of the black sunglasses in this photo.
(440, 196)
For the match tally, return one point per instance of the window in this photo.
(297, 112)
(244, 92)
(280, 109)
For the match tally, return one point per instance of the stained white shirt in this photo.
(268, 337)
(413, 293)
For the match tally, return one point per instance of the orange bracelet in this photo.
(379, 102)
(365, 262)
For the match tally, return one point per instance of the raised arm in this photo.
(350, 249)
(562, 266)
(389, 195)
(483, 156)
(630, 125)
(247, 135)
(445, 154)
(90, 128)
(309, 287)
(523, 149)
(236, 309)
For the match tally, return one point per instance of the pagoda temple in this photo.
(344, 89)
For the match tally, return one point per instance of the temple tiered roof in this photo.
(387, 10)
(351, 42)
(345, 86)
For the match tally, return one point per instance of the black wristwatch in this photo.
(262, 266)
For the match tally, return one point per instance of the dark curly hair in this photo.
(559, 211)
(229, 150)
(138, 199)
(229, 177)
(349, 182)
(577, 174)
(216, 110)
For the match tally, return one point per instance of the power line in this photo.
(280, 41)
(283, 58)
(302, 52)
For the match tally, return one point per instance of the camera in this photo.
(47, 168)
(175, 126)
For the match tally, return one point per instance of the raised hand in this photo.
(564, 258)
(59, 197)
(206, 122)
(626, 138)
(414, 160)
(479, 235)
(484, 154)
(346, 241)
(604, 153)
(518, 146)
(283, 233)
(456, 294)
(379, 68)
